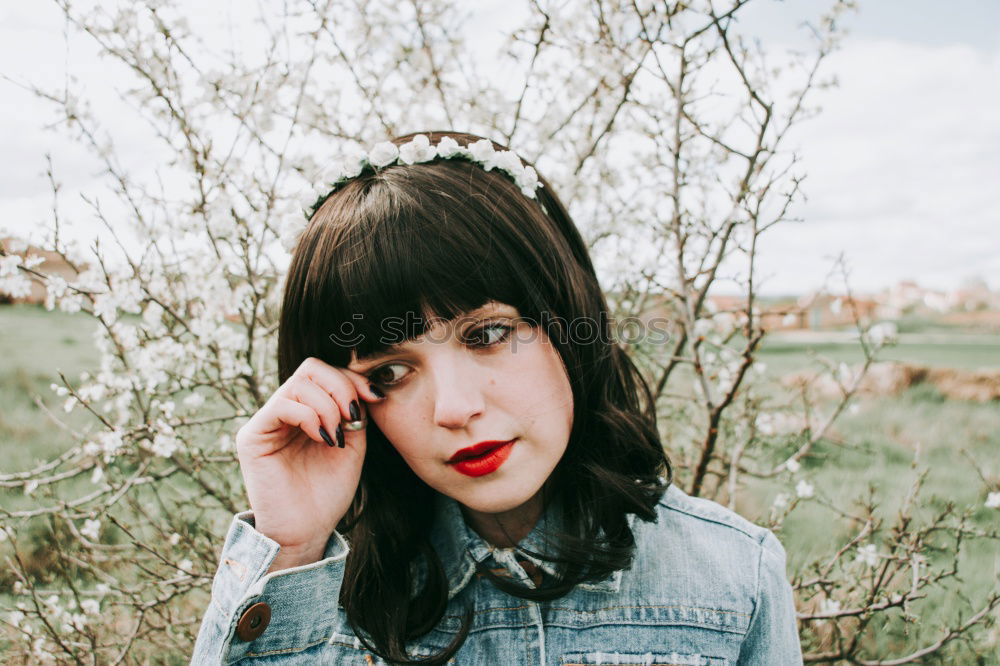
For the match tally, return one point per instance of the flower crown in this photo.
(418, 150)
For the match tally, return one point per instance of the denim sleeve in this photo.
(303, 600)
(773, 637)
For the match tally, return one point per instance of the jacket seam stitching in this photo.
(605, 608)
(286, 650)
(756, 597)
(691, 512)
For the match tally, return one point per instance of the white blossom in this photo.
(292, 227)
(703, 327)
(166, 407)
(509, 162)
(383, 154)
(71, 303)
(111, 442)
(194, 401)
(164, 444)
(90, 606)
(793, 465)
(308, 198)
(883, 333)
(9, 264)
(174, 539)
(777, 423)
(482, 151)
(91, 529)
(185, 565)
(804, 489)
(352, 164)
(333, 173)
(844, 374)
(868, 555)
(993, 501)
(448, 147)
(55, 288)
(829, 606)
(781, 501)
(527, 180)
(17, 286)
(418, 149)
(106, 307)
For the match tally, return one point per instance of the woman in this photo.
(460, 465)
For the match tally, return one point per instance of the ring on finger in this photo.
(354, 426)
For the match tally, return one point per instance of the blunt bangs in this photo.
(382, 254)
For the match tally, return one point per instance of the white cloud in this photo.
(901, 170)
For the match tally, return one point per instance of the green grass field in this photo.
(875, 445)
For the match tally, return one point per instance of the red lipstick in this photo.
(482, 458)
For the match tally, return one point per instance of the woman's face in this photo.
(483, 377)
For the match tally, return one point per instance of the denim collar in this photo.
(460, 548)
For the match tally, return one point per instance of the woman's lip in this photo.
(487, 463)
(476, 451)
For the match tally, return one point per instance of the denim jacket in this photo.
(706, 588)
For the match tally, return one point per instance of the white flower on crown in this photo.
(482, 151)
(308, 199)
(352, 165)
(527, 180)
(332, 173)
(292, 227)
(447, 147)
(383, 154)
(509, 162)
(419, 149)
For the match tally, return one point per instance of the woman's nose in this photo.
(458, 395)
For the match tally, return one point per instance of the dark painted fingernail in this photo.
(340, 437)
(376, 390)
(326, 436)
(355, 410)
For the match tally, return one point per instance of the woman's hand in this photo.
(300, 487)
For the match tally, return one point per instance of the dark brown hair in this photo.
(439, 239)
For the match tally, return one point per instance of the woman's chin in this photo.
(496, 499)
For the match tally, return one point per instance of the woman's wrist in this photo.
(296, 556)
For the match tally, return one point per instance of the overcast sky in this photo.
(903, 164)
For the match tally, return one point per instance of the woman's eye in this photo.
(385, 376)
(489, 335)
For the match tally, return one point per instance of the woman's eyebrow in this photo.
(477, 313)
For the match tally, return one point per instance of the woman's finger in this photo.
(280, 411)
(303, 390)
